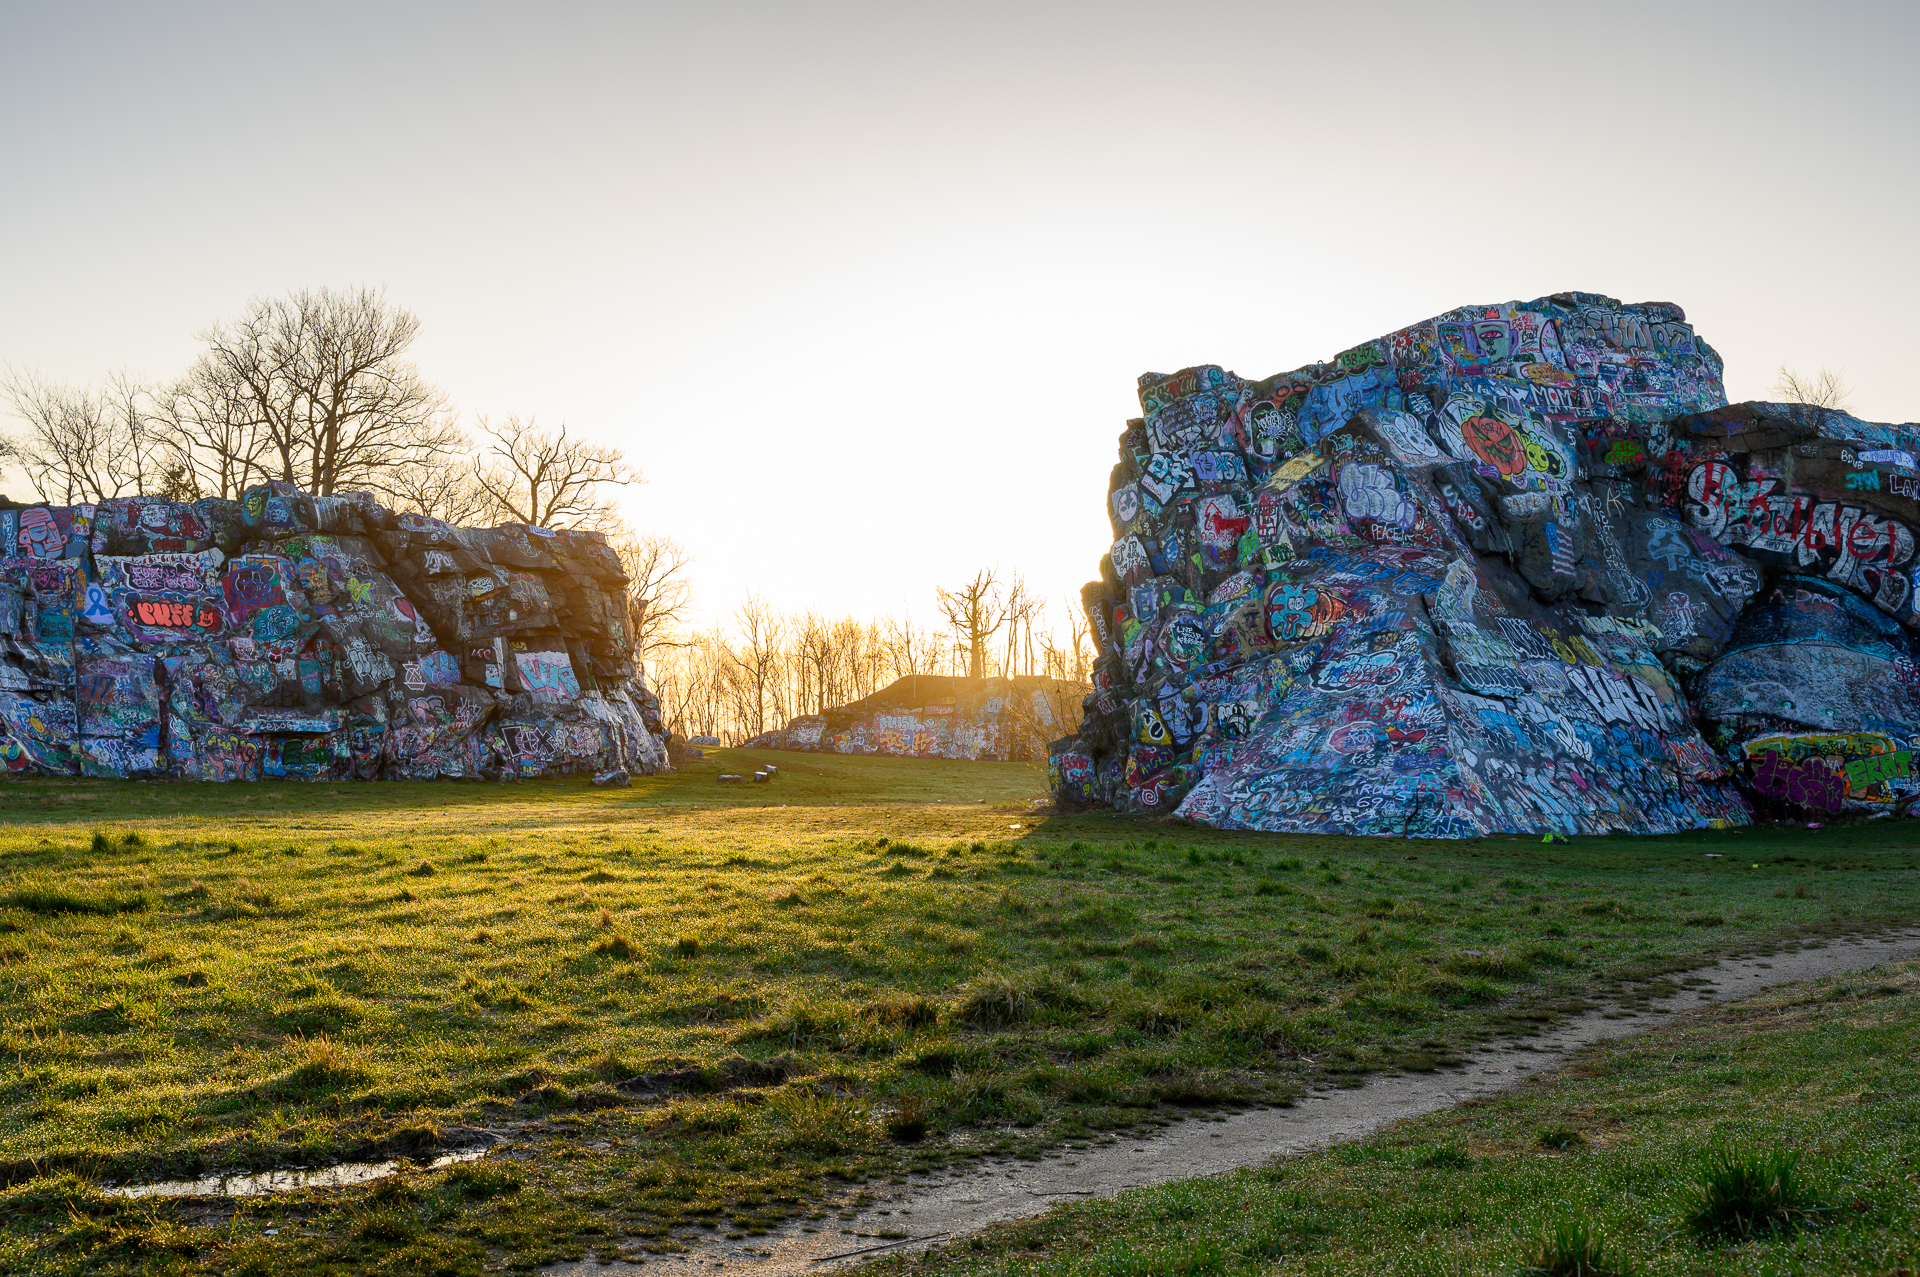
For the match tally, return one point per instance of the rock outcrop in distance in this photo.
(318, 638)
(936, 716)
(1518, 568)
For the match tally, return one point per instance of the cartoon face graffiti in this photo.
(40, 536)
(1151, 728)
(251, 584)
(1493, 338)
(1126, 504)
(1547, 461)
(1493, 441)
(1295, 612)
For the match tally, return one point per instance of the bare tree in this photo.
(548, 479)
(757, 663)
(910, 649)
(313, 388)
(1086, 645)
(693, 680)
(1822, 390)
(863, 657)
(659, 591)
(1057, 658)
(814, 661)
(445, 490)
(1017, 609)
(83, 444)
(974, 612)
(215, 439)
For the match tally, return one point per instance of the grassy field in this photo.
(698, 1008)
(1615, 1146)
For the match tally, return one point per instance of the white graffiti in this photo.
(1368, 492)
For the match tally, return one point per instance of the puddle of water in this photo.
(261, 1183)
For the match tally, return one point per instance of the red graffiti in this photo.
(175, 615)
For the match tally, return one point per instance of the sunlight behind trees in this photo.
(763, 667)
(315, 388)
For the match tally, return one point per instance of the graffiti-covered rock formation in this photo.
(1516, 568)
(933, 716)
(287, 635)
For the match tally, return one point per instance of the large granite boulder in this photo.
(303, 637)
(1497, 572)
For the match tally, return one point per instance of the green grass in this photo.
(41, 898)
(701, 1009)
(1740, 1194)
(1776, 1136)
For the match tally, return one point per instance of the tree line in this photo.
(763, 667)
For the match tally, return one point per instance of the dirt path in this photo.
(941, 1207)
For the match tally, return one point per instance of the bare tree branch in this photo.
(313, 388)
(82, 444)
(548, 479)
(909, 648)
(1823, 389)
(759, 696)
(448, 491)
(659, 592)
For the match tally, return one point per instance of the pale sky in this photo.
(864, 289)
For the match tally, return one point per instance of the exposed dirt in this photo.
(942, 1207)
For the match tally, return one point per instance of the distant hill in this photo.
(936, 716)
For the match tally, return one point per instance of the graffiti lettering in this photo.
(547, 675)
(1810, 784)
(1857, 548)
(170, 614)
(1877, 768)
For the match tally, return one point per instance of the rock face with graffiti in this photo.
(1517, 568)
(314, 638)
(936, 716)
